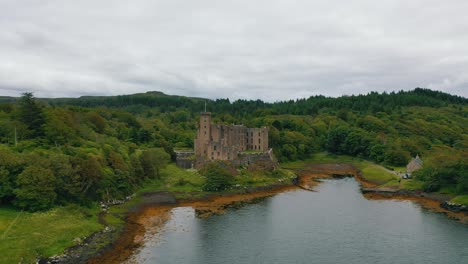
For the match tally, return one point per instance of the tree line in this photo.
(80, 150)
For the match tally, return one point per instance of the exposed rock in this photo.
(454, 207)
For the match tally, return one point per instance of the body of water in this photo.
(335, 224)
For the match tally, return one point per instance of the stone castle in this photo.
(235, 144)
(226, 142)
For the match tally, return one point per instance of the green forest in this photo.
(81, 150)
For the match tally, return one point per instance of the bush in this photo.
(218, 177)
(153, 160)
(397, 157)
(36, 189)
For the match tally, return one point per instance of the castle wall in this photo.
(225, 142)
(257, 139)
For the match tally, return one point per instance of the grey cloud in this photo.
(267, 49)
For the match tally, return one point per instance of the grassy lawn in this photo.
(399, 169)
(175, 179)
(376, 174)
(255, 179)
(24, 236)
(449, 189)
(460, 199)
(411, 184)
(393, 183)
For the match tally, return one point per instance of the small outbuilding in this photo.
(415, 164)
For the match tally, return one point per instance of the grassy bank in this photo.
(460, 199)
(371, 172)
(26, 236)
(180, 181)
(377, 174)
(188, 184)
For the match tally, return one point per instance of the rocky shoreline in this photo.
(311, 175)
(435, 202)
(121, 243)
(91, 249)
(454, 207)
(102, 241)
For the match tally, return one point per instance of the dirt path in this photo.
(11, 225)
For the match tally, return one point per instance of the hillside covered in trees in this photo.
(80, 150)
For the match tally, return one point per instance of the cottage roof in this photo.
(415, 164)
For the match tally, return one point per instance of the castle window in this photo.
(255, 147)
(205, 132)
(218, 154)
(205, 126)
(258, 133)
(259, 141)
(214, 147)
(212, 153)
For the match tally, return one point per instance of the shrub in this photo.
(36, 189)
(218, 177)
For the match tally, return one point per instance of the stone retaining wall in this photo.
(185, 159)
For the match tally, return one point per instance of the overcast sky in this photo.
(271, 50)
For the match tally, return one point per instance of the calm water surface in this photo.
(336, 224)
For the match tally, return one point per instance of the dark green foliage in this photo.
(6, 184)
(137, 172)
(445, 170)
(377, 152)
(99, 148)
(98, 122)
(30, 113)
(397, 157)
(11, 164)
(152, 161)
(36, 188)
(336, 140)
(61, 126)
(289, 152)
(218, 177)
(371, 103)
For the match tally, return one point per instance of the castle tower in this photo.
(205, 127)
(204, 134)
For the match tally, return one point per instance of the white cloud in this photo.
(272, 50)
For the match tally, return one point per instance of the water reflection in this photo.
(336, 224)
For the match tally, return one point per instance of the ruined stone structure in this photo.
(227, 142)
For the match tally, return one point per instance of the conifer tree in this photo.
(30, 113)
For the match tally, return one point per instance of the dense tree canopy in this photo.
(96, 148)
